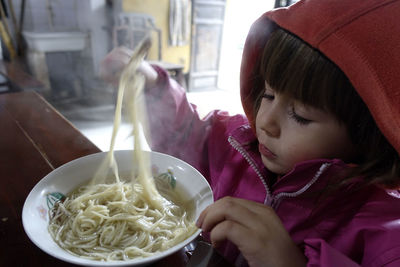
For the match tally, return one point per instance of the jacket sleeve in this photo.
(175, 126)
(320, 253)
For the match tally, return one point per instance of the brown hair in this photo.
(290, 66)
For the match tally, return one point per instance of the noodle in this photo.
(119, 220)
(114, 222)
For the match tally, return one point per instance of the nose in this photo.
(270, 120)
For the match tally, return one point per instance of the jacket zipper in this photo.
(270, 200)
(236, 145)
(278, 198)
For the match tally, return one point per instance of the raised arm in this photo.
(174, 124)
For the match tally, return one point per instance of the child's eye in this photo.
(297, 118)
(268, 96)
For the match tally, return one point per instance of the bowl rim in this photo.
(88, 262)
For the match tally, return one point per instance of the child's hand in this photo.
(113, 64)
(254, 228)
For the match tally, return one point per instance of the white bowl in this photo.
(67, 177)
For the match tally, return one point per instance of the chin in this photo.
(274, 167)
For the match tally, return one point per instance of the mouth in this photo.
(266, 152)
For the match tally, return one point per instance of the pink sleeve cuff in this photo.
(162, 81)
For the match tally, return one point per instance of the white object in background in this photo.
(55, 41)
(40, 43)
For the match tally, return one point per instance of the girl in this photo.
(310, 175)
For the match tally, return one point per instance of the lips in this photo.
(266, 152)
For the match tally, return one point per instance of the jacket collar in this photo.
(311, 175)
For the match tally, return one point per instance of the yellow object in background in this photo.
(7, 41)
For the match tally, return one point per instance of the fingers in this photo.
(242, 211)
(254, 228)
(239, 221)
(113, 64)
(119, 56)
(124, 51)
(237, 233)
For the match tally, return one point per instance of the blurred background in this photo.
(54, 47)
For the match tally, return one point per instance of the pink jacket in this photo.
(343, 229)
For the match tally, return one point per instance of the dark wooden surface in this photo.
(34, 140)
(18, 78)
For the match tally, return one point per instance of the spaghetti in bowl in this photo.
(193, 188)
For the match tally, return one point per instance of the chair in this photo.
(130, 28)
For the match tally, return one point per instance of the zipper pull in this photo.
(269, 200)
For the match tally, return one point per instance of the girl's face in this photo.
(290, 132)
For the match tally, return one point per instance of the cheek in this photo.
(296, 153)
(258, 121)
(258, 115)
(339, 147)
(319, 146)
(304, 146)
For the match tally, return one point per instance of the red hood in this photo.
(356, 36)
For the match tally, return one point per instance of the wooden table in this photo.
(36, 139)
(18, 79)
